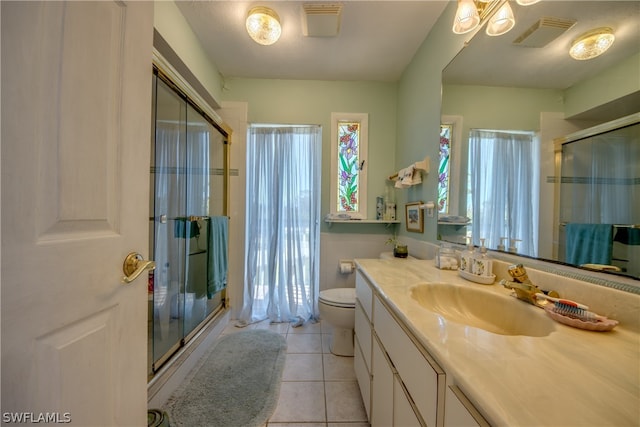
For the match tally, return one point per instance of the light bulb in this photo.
(502, 21)
(467, 17)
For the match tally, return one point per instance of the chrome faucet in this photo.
(522, 285)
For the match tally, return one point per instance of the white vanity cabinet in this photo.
(460, 412)
(404, 414)
(363, 340)
(361, 365)
(381, 388)
(422, 378)
(400, 382)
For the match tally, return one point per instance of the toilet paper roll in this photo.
(346, 267)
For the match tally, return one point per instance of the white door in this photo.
(76, 118)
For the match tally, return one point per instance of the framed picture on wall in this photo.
(414, 217)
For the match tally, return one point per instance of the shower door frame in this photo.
(168, 76)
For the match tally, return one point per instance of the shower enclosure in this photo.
(600, 185)
(188, 220)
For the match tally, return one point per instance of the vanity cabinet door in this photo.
(422, 377)
(364, 294)
(403, 413)
(363, 377)
(381, 389)
(460, 412)
(363, 334)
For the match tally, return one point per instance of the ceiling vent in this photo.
(321, 19)
(544, 31)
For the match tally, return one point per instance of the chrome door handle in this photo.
(133, 266)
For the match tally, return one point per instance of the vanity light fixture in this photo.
(472, 13)
(502, 21)
(467, 17)
(592, 43)
(263, 25)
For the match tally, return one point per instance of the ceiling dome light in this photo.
(502, 21)
(592, 43)
(263, 25)
(467, 17)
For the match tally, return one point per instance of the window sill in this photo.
(388, 223)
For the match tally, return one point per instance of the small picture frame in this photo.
(414, 217)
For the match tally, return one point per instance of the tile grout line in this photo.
(324, 382)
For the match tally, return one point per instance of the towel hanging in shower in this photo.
(589, 243)
(218, 257)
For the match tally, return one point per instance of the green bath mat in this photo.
(236, 384)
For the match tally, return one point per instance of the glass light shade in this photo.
(526, 2)
(467, 17)
(592, 43)
(263, 25)
(502, 21)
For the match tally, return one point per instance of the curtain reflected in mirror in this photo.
(504, 169)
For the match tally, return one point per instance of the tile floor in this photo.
(318, 389)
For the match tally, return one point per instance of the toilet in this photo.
(338, 308)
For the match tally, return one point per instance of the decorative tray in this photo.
(483, 280)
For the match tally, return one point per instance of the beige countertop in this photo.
(570, 377)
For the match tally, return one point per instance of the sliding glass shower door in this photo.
(187, 221)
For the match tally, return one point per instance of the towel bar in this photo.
(422, 165)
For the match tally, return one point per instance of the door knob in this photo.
(134, 264)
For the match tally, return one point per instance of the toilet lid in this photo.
(339, 297)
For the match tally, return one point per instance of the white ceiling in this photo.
(501, 63)
(377, 40)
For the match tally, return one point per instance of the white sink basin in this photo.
(496, 313)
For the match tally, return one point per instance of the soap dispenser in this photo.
(467, 257)
(483, 265)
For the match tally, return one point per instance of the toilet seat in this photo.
(339, 297)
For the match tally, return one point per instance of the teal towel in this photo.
(183, 227)
(218, 255)
(589, 243)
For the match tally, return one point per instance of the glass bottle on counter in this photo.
(467, 257)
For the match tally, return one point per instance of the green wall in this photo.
(419, 97)
(500, 108)
(312, 102)
(170, 23)
(618, 81)
(505, 108)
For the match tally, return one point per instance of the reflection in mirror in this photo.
(503, 92)
(600, 197)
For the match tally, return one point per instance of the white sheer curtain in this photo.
(597, 177)
(172, 178)
(169, 203)
(197, 172)
(283, 223)
(504, 170)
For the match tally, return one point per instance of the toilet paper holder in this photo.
(346, 266)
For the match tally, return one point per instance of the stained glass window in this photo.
(348, 166)
(444, 168)
(349, 135)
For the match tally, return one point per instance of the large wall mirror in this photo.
(524, 88)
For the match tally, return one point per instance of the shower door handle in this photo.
(133, 266)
